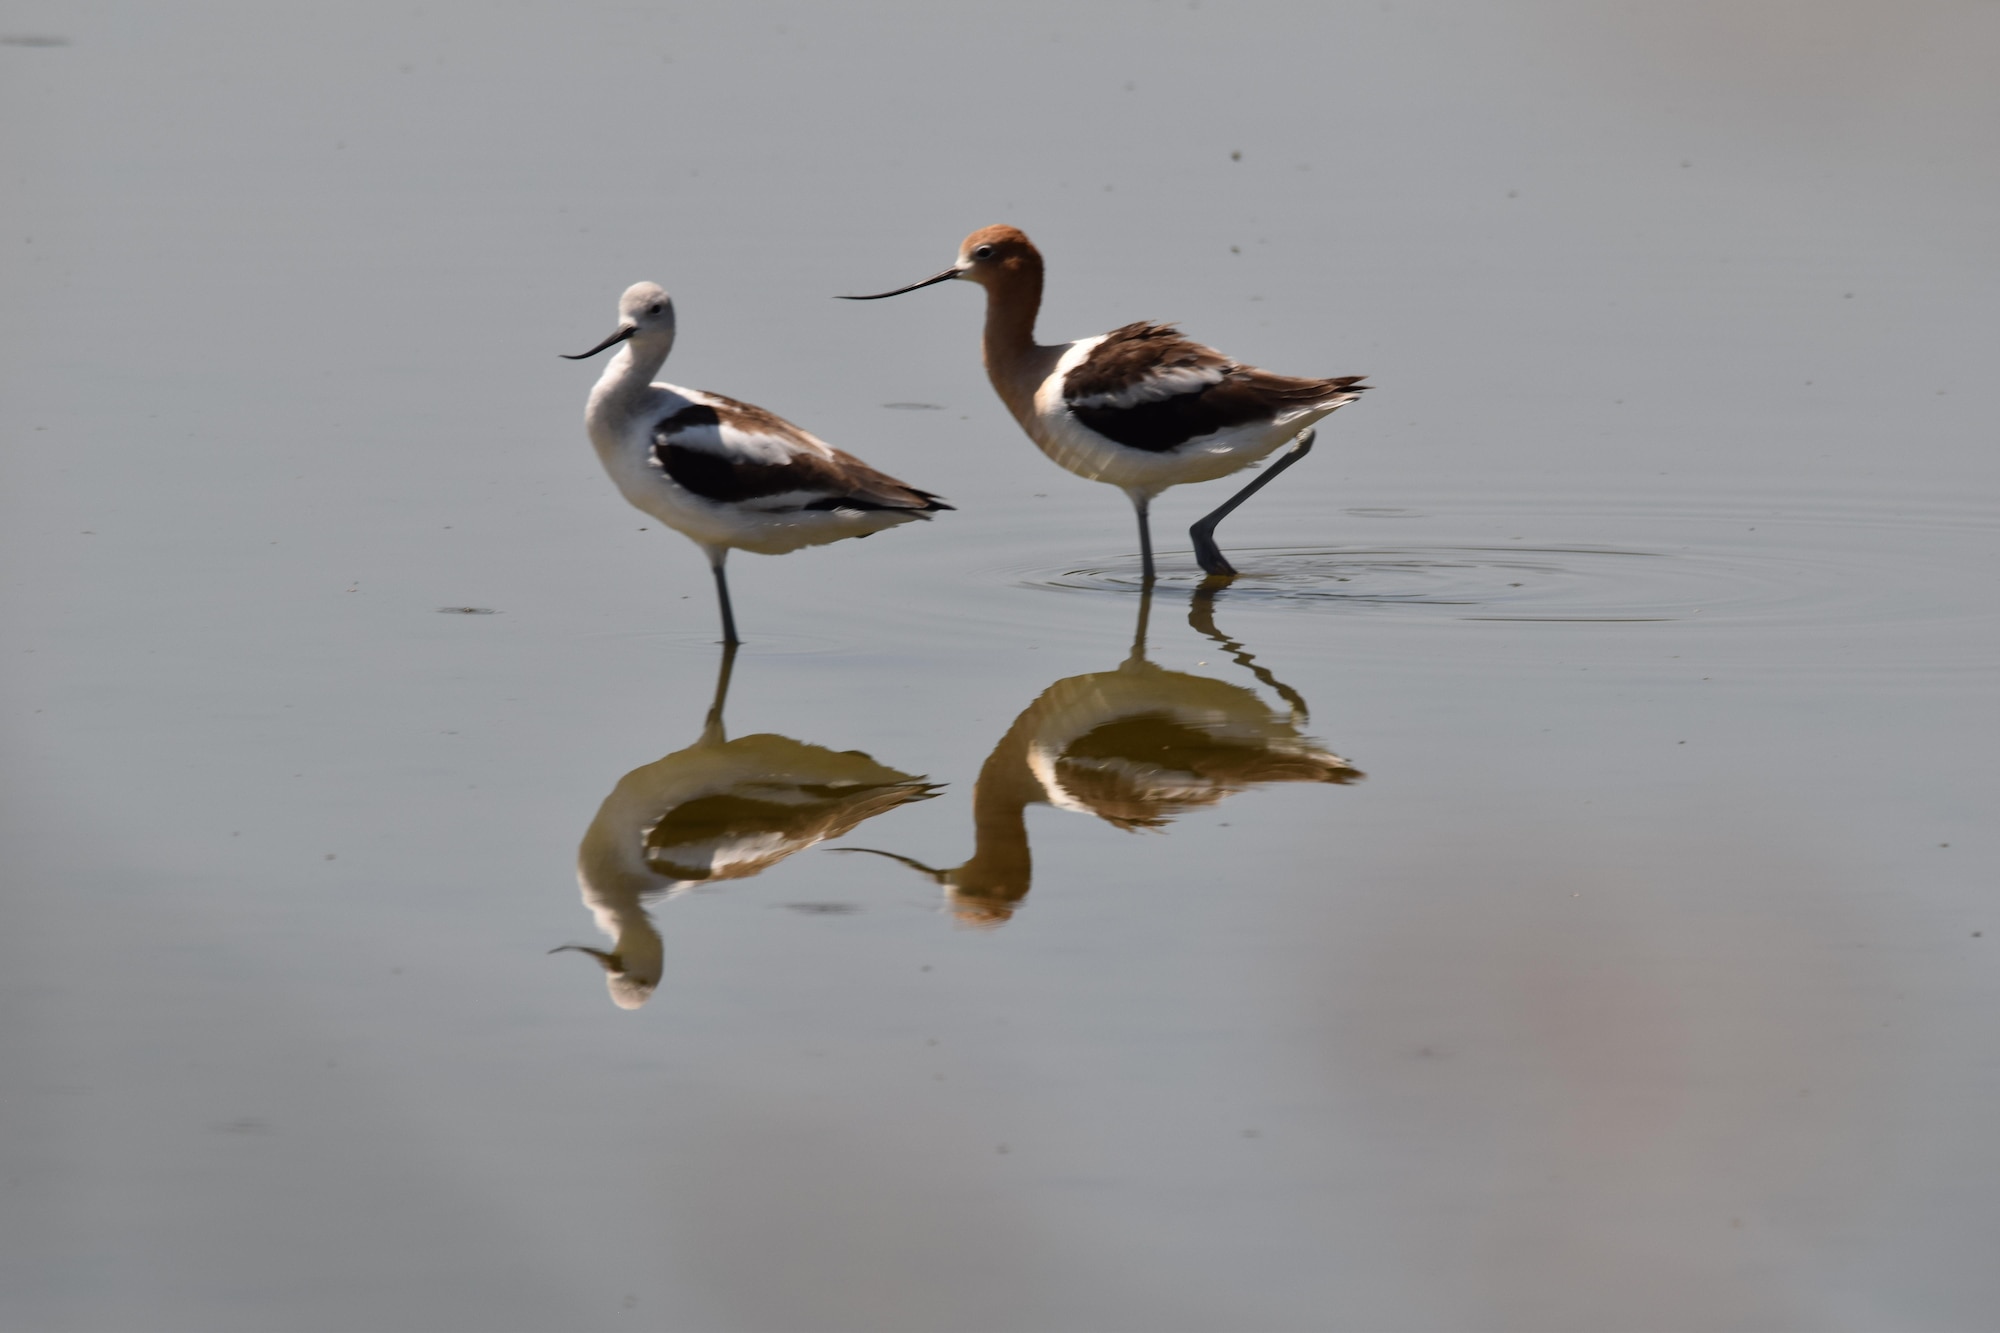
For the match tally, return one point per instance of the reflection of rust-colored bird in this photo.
(718, 810)
(1137, 747)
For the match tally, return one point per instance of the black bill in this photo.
(945, 276)
(612, 341)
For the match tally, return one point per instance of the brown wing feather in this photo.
(870, 488)
(1130, 356)
(1198, 390)
(837, 479)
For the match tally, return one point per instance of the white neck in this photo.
(631, 371)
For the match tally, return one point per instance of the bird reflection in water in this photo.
(1137, 747)
(718, 810)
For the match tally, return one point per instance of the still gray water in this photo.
(1552, 888)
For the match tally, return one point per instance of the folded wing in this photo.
(739, 454)
(1148, 387)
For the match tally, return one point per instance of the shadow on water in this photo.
(717, 810)
(1136, 746)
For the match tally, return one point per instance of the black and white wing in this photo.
(736, 453)
(1147, 387)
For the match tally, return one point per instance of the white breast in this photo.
(1072, 445)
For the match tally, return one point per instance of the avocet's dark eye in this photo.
(982, 252)
(655, 308)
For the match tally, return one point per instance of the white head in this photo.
(645, 314)
(632, 967)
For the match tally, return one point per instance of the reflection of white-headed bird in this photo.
(1137, 747)
(725, 474)
(718, 810)
(1141, 407)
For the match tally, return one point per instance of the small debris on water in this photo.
(467, 611)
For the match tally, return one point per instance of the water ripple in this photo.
(1904, 584)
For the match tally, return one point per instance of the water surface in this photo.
(1551, 889)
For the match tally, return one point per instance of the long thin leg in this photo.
(1139, 630)
(711, 729)
(1206, 552)
(1201, 615)
(722, 594)
(1143, 503)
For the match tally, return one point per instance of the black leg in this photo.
(1145, 537)
(1139, 630)
(1201, 615)
(1206, 552)
(722, 594)
(711, 729)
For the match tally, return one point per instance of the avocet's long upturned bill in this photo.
(1139, 407)
(721, 473)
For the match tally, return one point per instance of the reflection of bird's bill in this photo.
(931, 873)
(611, 961)
(631, 980)
(982, 901)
